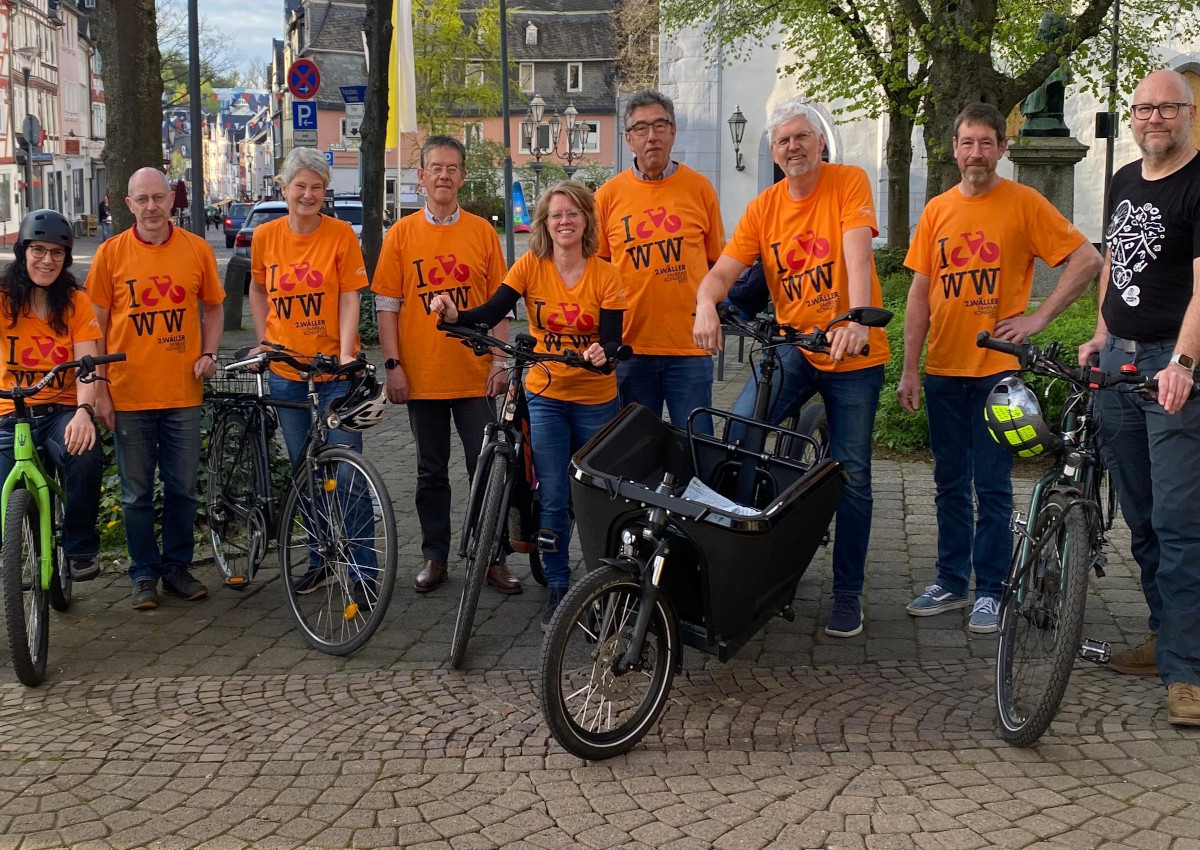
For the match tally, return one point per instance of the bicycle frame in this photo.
(28, 470)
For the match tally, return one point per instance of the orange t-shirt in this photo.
(978, 253)
(662, 235)
(419, 260)
(800, 243)
(153, 293)
(562, 318)
(32, 348)
(304, 275)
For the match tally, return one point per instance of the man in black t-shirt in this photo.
(1150, 317)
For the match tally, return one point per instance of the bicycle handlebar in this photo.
(522, 349)
(86, 366)
(771, 334)
(319, 364)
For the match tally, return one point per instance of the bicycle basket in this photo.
(237, 383)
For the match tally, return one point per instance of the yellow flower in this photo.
(111, 523)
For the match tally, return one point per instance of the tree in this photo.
(636, 25)
(128, 44)
(457, 60)
(378, 27)
(218, 60)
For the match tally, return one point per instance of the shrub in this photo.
(889, 260)
(485, 208)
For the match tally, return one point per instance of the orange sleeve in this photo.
(857, 206)
(99, 279)
(388, 281)
(744, 245)
(211, 289)
(1053, 237)
(352, 269)
(84, 326)
(520, 275)
(918, 257)
(715, 231)
(604, 252)
(612, 295)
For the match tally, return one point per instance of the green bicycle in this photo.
(35, 571)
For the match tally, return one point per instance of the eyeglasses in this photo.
(1143, 111)
(641, 129)
(559, 215)
(439, 170)
(39, 253)
(143, 200)
(799, 138)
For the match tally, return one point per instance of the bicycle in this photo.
(667, 569)
(1061, 539)
(504, 485)
(334, 526)
(36, 574)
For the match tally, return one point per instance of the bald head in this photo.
(149, 200)
(1166, 85)
(1162, 114)
(148, 180)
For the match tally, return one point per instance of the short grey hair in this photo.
(305, 158)
(648, 97)
(797, 107)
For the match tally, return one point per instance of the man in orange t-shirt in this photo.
(148, 285)
(813, 232)
(444, 249)
(972, 258)
(660, 224)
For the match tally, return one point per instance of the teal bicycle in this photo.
(34, 567)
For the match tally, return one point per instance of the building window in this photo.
(474, 74)
(531, 34)
(592, 145)
(527, 84)
(574, 76)
(543, 132)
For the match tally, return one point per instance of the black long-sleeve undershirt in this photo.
(506, 298)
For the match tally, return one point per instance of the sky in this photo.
(251, 23)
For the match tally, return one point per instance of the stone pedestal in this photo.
(1048, 165)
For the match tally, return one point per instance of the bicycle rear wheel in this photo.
(1041, 620)
(337, 549)
(61, 584)
(237, 478)
(482, 551)
(593, 711)
(26, 602)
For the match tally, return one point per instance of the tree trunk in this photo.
(374, 129)
(899, 163)
(128, 43)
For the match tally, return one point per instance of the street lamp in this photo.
(737, 130)
(27, 55)
(576, 138)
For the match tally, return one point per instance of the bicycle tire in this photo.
(26, 602)
(236, 479)
(61, 583)
(588, 634)
(329, 617)
(536, 570)
(813, 423)
(481, 554)
(1041, 622)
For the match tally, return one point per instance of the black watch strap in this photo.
(391, 363)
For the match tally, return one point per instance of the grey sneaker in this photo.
(184, 585)
(985, 616)
(145, 595)
(85, 570)
(935, 600)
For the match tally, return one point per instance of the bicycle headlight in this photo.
(1014, 419)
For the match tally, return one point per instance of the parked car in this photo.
(235, 218)
(262, 212)
(351, 211)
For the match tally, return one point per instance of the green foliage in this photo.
(368, 319)
(457, 62)
(485, 208)
(483, 180)
(889, 260)
(218, 59)
(552, 173)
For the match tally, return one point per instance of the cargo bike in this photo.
(705, 565)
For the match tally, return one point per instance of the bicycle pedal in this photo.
(237, 582)
(547, 542)
(1097, 651)
(1017, 522)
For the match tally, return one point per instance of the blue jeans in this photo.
(683, 382)
(80, 476)
(1154, 460)
(169, 441)
(966, 458)
(356, 505)
(851, 399)
(557, 430)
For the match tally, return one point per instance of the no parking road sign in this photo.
(304, 79)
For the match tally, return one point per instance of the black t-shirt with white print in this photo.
(1153, 236)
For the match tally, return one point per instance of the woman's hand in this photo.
(595, 354)
(80, 433)
(443, 305)
(104, 406)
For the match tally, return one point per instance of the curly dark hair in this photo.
(17, 288)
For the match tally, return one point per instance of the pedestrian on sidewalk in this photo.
(104, 216)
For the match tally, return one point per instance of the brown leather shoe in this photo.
(1183, 704)
(1138, 661)
(431, 575)
(500, 578)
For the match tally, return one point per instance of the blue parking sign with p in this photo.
(304, 115)
(329, 157)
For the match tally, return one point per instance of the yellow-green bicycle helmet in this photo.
(1014, 419)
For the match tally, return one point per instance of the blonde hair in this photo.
(579, 195)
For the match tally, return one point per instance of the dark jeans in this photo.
(557, 430)
(168, 440)
(293, 424)
(430, 421)
(851, 399)
(80, 476)
(683, 382)
(966, 458)
(1154, 460)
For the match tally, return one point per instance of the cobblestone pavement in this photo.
(211, 724)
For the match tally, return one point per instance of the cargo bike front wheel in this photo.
(594, 708)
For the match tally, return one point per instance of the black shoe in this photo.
(552, 603)
(85, 570)
(145, 594)
(314, 579)
(365, 594)
(184, 585)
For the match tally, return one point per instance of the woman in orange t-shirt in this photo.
(573, 300)
(48, 319)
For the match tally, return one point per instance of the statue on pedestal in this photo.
(1043, 108)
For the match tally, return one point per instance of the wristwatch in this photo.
(391, 363)
(212, 355)
(1184, 360)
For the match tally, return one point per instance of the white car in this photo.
(351, 211)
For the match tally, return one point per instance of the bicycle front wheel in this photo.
(337, 550)
(482, 551)
(26, 602)
(1041, 620)
(591, 709)
(237, 526)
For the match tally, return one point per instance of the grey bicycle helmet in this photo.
(46, 226)
(1014, 419)
(361, 408)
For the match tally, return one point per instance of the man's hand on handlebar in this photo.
(706, 330)
(1090, 348)
(1175, 385)
(848, 339)
(443, 305)
(1018, 328)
